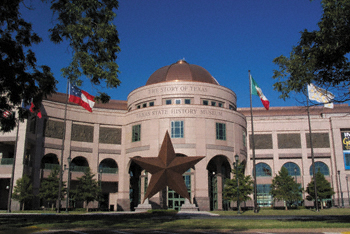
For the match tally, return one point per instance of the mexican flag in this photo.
(256, 90)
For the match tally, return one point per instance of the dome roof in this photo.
(181, 71)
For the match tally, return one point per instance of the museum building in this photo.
(202, 119)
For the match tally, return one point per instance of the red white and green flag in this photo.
(256, 90)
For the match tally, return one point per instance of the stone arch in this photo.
(293, 168)
(108, 165)
(320, 166)
(218, 169)
(263, 170)
(79, 163)
(49, 161)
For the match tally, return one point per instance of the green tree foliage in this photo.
(93, 40)
(321, 57)
(245, 185)
(284, 187)
(49, 188)
(86, 25)
(23, 191)
(323, 188)
(20, 78)
(87, 189)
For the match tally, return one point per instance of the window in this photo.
(244, 138)
(177, 129)
(293, 169)
(144, 105)
(177, 101)
(220, 131)
(347, 160)
(168, 102)
(322, 167)
(231, 107)
(136, 133)
(264, 198)
(205, 102)
(187, 101)
(220, 104)
(263, 170)
(138, 106)
(151, 104)
(213, 103)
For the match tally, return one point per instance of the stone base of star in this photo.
(146, 206)
(188, 207)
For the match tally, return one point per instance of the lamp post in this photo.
(295, 175)
(347, 184)
(238, 207)
(341, 191)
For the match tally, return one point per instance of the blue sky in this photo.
(226, 37)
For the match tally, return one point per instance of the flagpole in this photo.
(62, 152)
(312, 154)
(253, 145)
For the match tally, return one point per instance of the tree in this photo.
(284, 187)
(49, 188)
(23, 191)
(93, 40)
(245, 186)
(320, 57)
(21, 78)
(323, 187)
(88, 189)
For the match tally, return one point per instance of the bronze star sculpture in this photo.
(167, 169)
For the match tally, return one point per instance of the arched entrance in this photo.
(107, 172)
(218, 170)
(135, 185)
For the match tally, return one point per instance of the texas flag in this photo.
(256, 90)
(81, 97)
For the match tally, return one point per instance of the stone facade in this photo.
(202, 119)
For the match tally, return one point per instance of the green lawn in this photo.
(167, 220)
(278, 212)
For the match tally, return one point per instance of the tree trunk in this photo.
(52, 205)
(87, 206)
(321, 204)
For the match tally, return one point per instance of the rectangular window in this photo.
(151, 104)
(205, 102)
(168, 102)
(221, 131)
(177, 101)
(347, 160)
(136, 133)
(177, 129)
(213, 103)
(187, 101)
(144, 105)
(220, 104)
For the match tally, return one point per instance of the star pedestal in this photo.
(188, 207)
(144, 207)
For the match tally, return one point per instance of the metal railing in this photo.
(6, 161)
(109, 170)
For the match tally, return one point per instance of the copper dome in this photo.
(181, 71)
